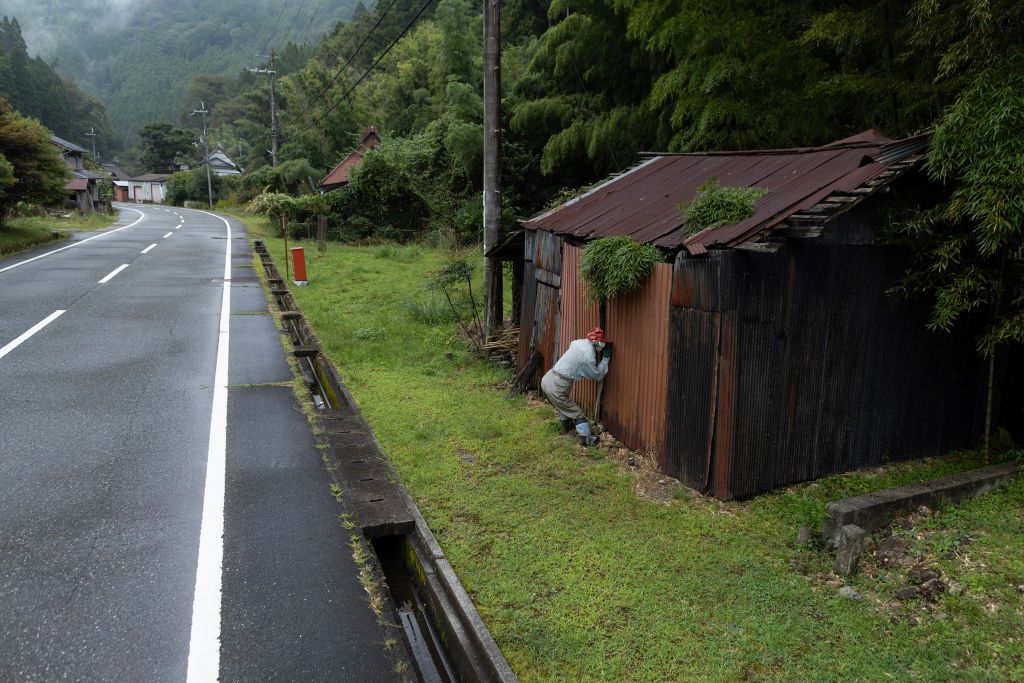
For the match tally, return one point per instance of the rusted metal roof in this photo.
(643, 202)
(340, 175)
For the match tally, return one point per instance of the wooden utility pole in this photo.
(92, 134)
(206, 144)
(273, 106)
(493, 289)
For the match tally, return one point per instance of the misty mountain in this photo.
(34, 89)
(138, 56)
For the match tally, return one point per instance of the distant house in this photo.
(81, 188)
(114, 172)
(339, 177)
(768, 351)
(145, 189)
(221, 164)
(73, 155)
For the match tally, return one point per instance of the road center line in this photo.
(32, 330)
(110, 276)
(168, 235)
(204, 642)
(70, 246)
(148, 249)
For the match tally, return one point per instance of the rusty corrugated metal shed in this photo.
(638, 326)
(644, 201)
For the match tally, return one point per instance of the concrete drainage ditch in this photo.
(445, 636)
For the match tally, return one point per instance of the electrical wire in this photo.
(270, 38)
(367, 72)
(351, 58)
(288, 33)
(309, 22)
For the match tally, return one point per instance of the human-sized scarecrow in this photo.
(584, 359)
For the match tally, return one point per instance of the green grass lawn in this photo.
(23, 233)
(581, 578)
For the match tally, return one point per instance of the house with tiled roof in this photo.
(82, 185)
(339, 176)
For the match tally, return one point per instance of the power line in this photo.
(352, 56)
(372, 66)
(288, 33)
(309, 22)
(280, 14)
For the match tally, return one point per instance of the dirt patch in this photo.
(909, 567)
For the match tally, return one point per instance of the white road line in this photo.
(32, 330)
(148, 249)
(168, 235)
(177, 226)
(110, 276)
(204, 643)
(70, 246)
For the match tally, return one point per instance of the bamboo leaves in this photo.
(616, 265)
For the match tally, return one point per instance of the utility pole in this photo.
(273, 105)
(206, 144)
(493, 289)
(92, 134)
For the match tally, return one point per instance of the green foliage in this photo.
(35, 89)
(271, 204)
(449, 279)
(36, 172)
(429, 310)
(164, 147)
(715, 205)
(292, 176)
(968, 248)
(6, 173)
(616, 265)
(192, 186)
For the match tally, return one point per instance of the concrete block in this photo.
(851, 545)
(871, 511)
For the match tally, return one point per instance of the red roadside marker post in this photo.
(299, 266)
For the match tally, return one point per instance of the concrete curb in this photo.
(871, 511)
(384, 507)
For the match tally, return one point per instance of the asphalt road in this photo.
(164, 513)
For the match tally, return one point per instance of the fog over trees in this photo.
(138, 57)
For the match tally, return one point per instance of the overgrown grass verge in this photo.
(579, 578)
(19, 234)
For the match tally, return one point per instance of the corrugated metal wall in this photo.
(791, 366)
(637, 324)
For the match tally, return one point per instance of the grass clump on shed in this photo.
(716, 205)
(616, 265)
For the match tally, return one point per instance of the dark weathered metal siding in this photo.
(637, 325)
(529, 301)
(814, 370)
(542, 281)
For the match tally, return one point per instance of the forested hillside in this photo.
(589, 84)
(34, 89)
(138, 57)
